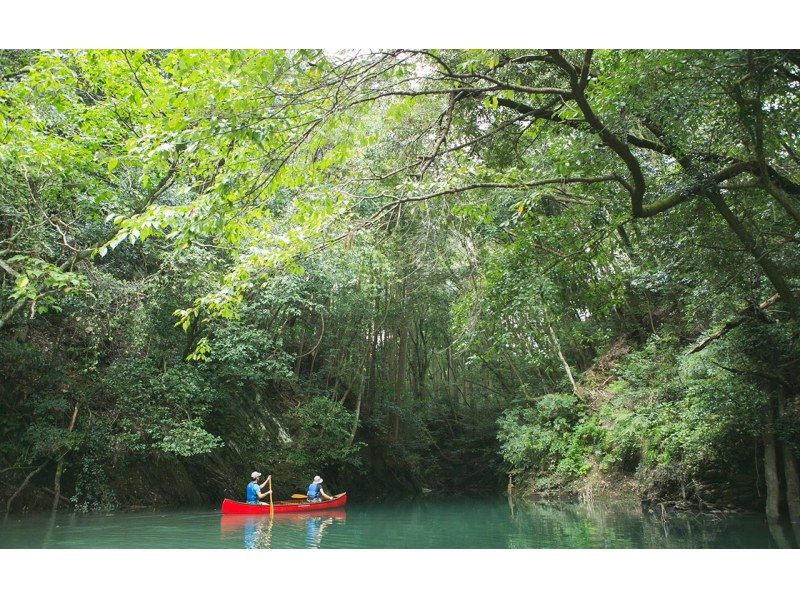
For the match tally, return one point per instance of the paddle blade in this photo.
(299, 496)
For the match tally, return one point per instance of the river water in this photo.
(492, 522)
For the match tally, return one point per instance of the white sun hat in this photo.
(317, 479)
(255, 474)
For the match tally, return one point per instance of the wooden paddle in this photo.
(306, 496)
(271, 508)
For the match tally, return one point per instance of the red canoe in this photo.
(234, 507)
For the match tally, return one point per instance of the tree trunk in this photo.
(313, 361)
(758, 252)
(792, 482)
(372, 373)
(564, 362)
(790, 469)
(771, 468)
(298, 360)
(357, 413)
(60, 467)
(778, 534)
(399, 382)
(450, 374)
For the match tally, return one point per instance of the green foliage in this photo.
(188, 438)
(321, 430)
(670, 419)
(553, 437)
(160, 410)
(202, 249)
(93, 490)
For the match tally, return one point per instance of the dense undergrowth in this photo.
(680, 428)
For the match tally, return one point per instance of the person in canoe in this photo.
(253, 491)
(315, 492)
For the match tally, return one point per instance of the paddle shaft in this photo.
(306, 496)
(271, 508)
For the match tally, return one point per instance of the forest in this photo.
(563, 273)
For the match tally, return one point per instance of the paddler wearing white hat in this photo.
(315, 492)
(253, 490)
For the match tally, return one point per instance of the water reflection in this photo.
(627, 525)
(315, 526)
(284, 530)
(486, 522)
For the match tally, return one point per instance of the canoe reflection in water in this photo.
(284, 530)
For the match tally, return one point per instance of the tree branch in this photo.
(8, 268)
(742, 317)
(445, 130)
(525, 185)
(619, 147)
(587, 60)
(695, 188)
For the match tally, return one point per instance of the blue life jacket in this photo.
(252, 492)
(313, 490)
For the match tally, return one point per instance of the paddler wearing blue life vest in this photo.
(315, 492)
(253, 490)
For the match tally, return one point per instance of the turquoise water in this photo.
(426, 523)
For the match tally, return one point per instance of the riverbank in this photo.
(614, 487)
